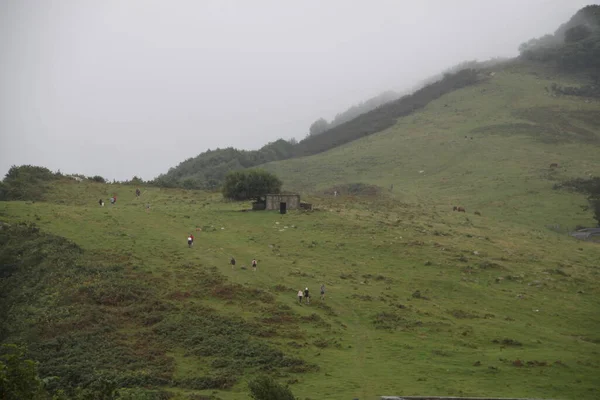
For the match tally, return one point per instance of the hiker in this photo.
(254, 264)
(101, 202)
(306, 296)
(323, 291)
(113, 200)
(137, 192)
(232, 262)
(190, 240)
(300, 296)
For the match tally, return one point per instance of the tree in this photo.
(266, 388)
(577, 33)
(189, 184)
(318, 127)
(250, 184)
(97, 178)
(26, 182)
(136, 181)
(19, 377)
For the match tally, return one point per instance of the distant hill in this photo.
(486, 146)
(570, 58)
(208, 169)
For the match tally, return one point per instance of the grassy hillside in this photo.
(574, 48)
(420, 300)
(487, 147)
(208, 169)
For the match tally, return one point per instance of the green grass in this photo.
(518, 130)
(372, 336)
(420, 300)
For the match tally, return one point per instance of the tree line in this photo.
(30, 182)
(208, 170)
(321, 125)
(574, 47)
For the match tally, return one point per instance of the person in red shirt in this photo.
(190, 240)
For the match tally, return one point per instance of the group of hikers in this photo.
(301, 294)
(254, 264)
(113, 200)
(190, 240)
(306, 295)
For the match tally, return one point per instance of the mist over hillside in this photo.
(207, 170)
(573, 48)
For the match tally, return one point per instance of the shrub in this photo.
(97, 178)
(266, 388)
(19, 377)
(251, 184)
(26, 182)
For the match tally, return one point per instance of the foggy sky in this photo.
(132, 87)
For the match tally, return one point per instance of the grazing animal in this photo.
(460, 209)
(554, 165)
(477, 213)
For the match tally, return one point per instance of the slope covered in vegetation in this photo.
(420, 300)
(487, 147)
(574, 48)
(208, 169)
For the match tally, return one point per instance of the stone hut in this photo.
(273, 201)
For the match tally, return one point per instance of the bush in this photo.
(251, 184)
(266, 388)
(19, 377)
(26, 182)
(97, 178)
